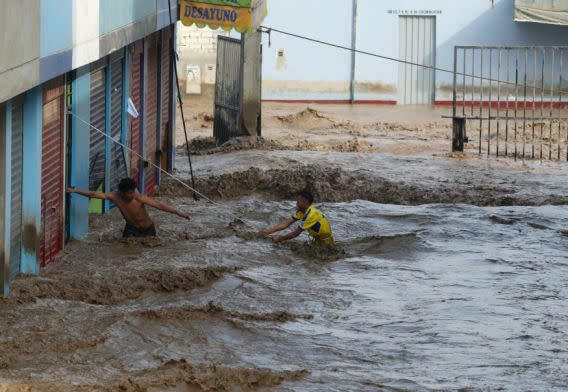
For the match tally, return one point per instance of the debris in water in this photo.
(208, 145)
(311, 118)
(211, 308)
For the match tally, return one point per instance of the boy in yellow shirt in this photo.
(309, 219)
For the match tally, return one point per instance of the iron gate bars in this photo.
(511, 99)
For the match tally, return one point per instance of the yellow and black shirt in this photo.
(317, 226)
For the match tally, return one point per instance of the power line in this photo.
(269, 30)
(159, 168)
(173, 55)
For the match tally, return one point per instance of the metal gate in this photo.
(228, 89)
(52, 166)
(151, 118)
(97, 151)
(118, 161)
(417, 44)
(136, 123)
(511, 101)
(16, 184)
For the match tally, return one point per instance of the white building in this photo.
(197, 50)
(421, 31)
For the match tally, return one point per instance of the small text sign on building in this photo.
(413, 12)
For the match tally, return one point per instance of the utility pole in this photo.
(252, 84)
(353, 54)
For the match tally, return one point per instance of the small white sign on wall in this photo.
(193, 81)
(281, 59)
(209, 77)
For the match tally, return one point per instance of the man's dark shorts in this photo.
(133, 231)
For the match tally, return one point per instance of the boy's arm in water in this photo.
(281, 226)
(288, 236)
(91, 194)
(161, 206)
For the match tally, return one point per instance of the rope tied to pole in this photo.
(174, 57)
(269, 30)
(191, 188)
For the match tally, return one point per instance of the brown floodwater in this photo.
(428, 293)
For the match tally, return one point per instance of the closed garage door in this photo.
(417, 44)
(16, 184)
(97, 151)
(51, 241)
(166, 94)
(118, 162)
(135, 126)
(151, 120)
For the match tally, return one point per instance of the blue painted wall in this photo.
(165, 12)
(56, 38)
(31, 187)
(56, 26)
(79, 222)
(118, 13)
(56, 43)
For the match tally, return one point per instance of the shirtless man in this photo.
(132, 206)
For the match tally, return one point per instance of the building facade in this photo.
(418, 31)
(66, 81)
(197, 50)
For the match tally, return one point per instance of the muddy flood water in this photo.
(450, 274)
(424, 297)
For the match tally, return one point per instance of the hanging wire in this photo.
(159, 168)
(174, 58)
(269, 30)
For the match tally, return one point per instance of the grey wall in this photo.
(42, 39)
(19, 46)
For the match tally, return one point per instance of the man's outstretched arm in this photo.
(283, 225)
(91, 194)
(161, 206)
(289, 236)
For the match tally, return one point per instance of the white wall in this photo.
(472, 22)
(327, 70)
(85, 32)
(198, 47)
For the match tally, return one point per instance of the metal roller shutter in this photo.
(97, 152)
(16, 183)
(52, 208)
(417, 44)
(166, 92)
(136, 83)
(151, 120)
(118, 163)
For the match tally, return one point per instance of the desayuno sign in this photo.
(241, 15)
